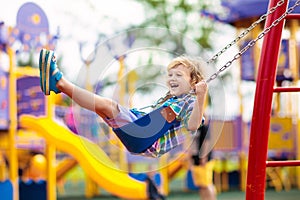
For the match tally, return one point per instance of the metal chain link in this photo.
(244, 33)
(253, 42)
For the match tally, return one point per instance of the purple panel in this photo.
(239, 131)
(4, 106)
(31, 99)
(3, 35)
(31, 23)
(247, 64)
(283, 69)
(236, 10)
(31, 19)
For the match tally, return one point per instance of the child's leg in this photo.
(51, 79)
(104, 107)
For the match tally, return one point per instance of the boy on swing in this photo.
(184, 81)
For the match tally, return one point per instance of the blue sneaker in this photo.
(49, 73)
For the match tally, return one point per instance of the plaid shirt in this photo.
(182, 106)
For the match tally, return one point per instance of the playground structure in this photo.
(276, 73)
(21, 94)
(100, 168)
(25, 80)
(262, 123)
(282, 133)
(80, 148)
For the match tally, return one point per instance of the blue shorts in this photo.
(124, 117)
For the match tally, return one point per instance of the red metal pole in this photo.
(286, 163)
(287, 89)
(260, 125)
(293, 16)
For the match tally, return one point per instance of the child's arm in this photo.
(197, 113)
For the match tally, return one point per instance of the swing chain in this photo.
(242, 51)
(244, 33)
(253, 42)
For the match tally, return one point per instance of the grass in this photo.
(75, 191)
(231, 195)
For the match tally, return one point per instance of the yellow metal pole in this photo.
(89, 193)
(3, 176)
(91, 189)
(164, 175)
(50, 154)
(293, 49)
(51, 171)
(121, 81)
(132, 78)
(12, 96)
(239, 84)
(50, 106)
(88, 84)
(295, 71)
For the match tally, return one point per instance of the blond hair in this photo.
(193, 64)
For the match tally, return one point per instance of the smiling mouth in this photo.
(174, 86)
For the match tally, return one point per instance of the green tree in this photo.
(183, 16)
(180, 16)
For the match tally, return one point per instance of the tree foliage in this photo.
(180, 16)
(183, 16)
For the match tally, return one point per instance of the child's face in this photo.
(179, 80)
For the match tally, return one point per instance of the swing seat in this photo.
(142, 133)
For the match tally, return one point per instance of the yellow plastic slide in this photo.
(90, 156)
